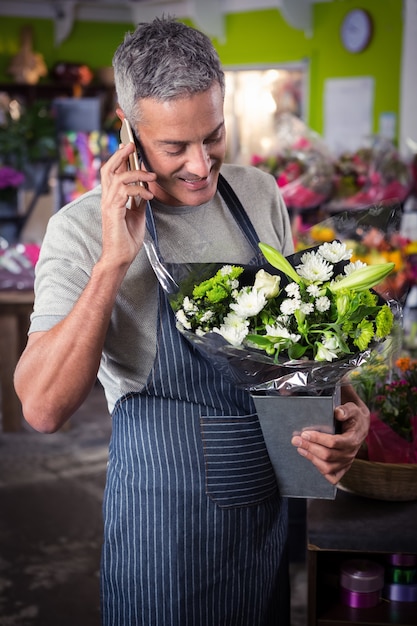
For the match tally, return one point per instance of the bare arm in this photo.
(58, 367)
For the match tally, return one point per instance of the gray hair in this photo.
(165, 60)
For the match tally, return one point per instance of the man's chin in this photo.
(188, 193)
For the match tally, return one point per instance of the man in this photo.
(182, 545)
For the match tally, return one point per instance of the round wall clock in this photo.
(356, 30)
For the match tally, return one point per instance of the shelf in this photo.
(48, 91)
(352, 527)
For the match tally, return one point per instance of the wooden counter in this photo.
(15, 310)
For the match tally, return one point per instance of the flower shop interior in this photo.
(322, 95)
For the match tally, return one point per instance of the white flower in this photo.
(189, 305)
(226, 270)
(182, 319)
(293, 290)
(267, 283)
(280, 331)
(233, 319)
(289, 306)
(206, 316)
(306, 307)
(324, 354)
(234, 329)
(322, 304)
(249, 302)
(313, 290)
(314, 268)
(335, 251)
(352, 267)
(328, 349)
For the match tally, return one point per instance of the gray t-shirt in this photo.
(207, 233)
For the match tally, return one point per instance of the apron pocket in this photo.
(238, 468)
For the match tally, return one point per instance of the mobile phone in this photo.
(126, 136)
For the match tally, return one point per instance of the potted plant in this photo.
(386, 467)
(27, 137)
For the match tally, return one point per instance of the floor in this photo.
(51, 490)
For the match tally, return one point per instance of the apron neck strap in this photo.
(233, 204)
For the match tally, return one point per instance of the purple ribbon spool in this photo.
(361, 583)
(403, 560)
(401, 593)
(359, 600)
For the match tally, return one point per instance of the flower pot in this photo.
(280, 418)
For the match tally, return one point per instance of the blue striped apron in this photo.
(194, 528)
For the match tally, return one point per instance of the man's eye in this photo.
(214, 139)
(175, 152)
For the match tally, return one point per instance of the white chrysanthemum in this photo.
(307, 308)
(289, 306)
(280, 331)
(283, 320)
(226, 270)
(234, 329)
(313, 290)
(314, 268)
(182, 319)
(352, 267)
(233, 319)
(335, 251)
(293, 290)
(322, 304)
(189, 305)
(249, 302)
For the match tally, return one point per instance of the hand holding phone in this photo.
(126, 136)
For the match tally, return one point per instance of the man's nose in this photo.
(199, 161)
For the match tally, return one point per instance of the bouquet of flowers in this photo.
(300, 164)
(287, 328)
(391, 395)
(371, 174)
(10, 180)
(317, 308)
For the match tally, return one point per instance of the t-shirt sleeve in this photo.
(62, 272)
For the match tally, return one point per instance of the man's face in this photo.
(184, 142)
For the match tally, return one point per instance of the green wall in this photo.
(253, 38)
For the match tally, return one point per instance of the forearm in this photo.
(59, 367)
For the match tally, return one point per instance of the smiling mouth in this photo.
(193, 180)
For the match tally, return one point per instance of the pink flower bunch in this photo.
(9, 177)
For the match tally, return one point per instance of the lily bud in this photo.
(276, 259)
(363, 278)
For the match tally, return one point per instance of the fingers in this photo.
(331, 461)
(130, 183)
(333, 454)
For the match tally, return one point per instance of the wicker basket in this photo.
(381, 481)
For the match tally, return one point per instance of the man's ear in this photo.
(120, 114)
